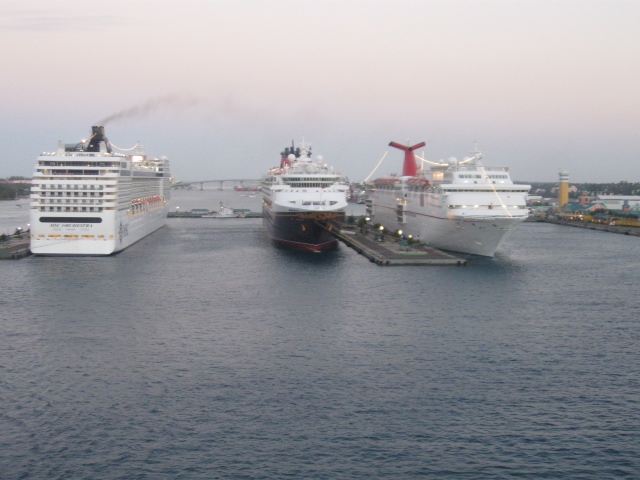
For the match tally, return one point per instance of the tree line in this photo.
(9, 191)
(549, 189)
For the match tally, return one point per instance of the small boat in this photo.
(224, 212)
(248, 188)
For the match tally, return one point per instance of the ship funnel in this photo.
(285, 160)
(410, 168)
(97, 136)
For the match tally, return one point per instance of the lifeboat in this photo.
(388, 182)
(418, 183)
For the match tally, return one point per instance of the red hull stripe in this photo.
(307, 246)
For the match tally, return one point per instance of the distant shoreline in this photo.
(620, 229)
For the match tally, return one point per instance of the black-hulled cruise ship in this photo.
(300, 197)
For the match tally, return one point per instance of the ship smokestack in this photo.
(97, 136)
(410, 167)
(284, 160)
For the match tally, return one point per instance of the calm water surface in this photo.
(205, 351)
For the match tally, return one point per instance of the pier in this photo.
(385, 250)
(200, 212)
(220, 182)
(602, 227)
(15, 249)
(381, 249)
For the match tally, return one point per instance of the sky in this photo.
(220, 87)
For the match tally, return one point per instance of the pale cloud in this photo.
(33, 23)
(46, 16)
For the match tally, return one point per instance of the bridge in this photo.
(236, 181)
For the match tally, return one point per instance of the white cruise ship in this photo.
(461, 206)
(299, 197)
(88, 200)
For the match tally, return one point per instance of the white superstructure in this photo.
(300, 196)
(88, 200)
(461, 206)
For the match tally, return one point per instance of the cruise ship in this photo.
(461, 206)
(88, 200)
(300, 197)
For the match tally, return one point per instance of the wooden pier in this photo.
(385, 250)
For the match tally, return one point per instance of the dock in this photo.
(15, 249)
(199, 213)
(602, 227)
(389, 251)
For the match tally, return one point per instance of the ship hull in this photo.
(304, 231)
(477, 234)
(99, 235)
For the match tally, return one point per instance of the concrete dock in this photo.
(199, 214)
(15, 249)
(383, 250)
(390, 251)
(602, 227)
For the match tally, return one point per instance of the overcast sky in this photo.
(221, 87)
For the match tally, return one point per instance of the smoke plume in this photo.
(149, 107)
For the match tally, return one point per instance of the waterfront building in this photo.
(624, 203)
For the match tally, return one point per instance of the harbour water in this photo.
(206, 351)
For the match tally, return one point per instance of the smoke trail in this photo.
(173, 101)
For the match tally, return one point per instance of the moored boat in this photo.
(462, 206)
(300, 199)
(247, 188)
(88, 200)
(224, 212)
